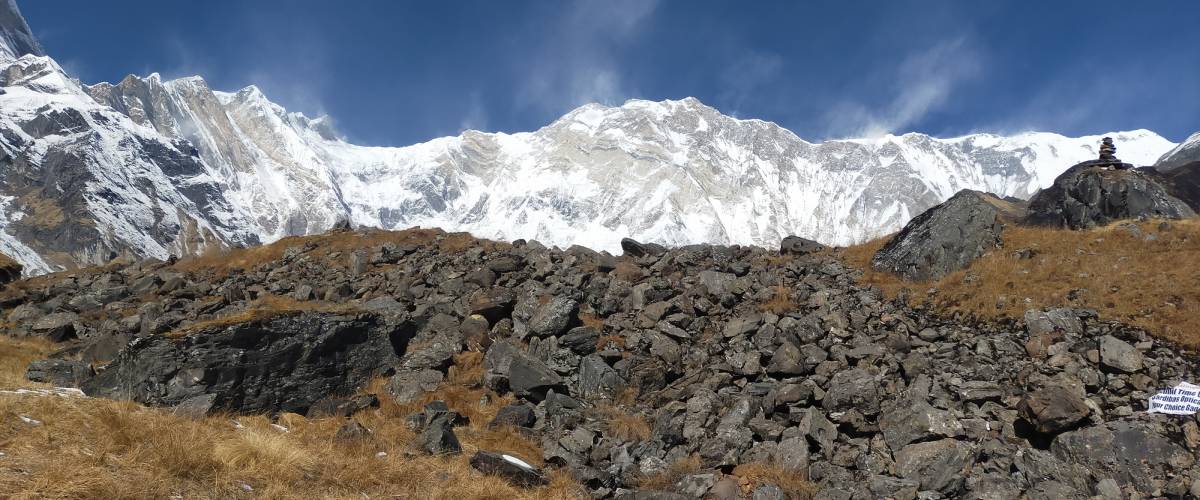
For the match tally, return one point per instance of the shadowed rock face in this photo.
(282, 364)
(1088, 195)
(1183, 182)
(16, 39)
(945, 238)
(10, 270)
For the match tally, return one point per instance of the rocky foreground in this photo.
(625, 367)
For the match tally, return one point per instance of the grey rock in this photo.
(853, 389)
(552, 318)
(795, 245)
(912, 421)
(513, 469)
(1054, 409)
(406, 386)
(516, 415)
(531, 379)
(1116, 354)
(59, 372)
(936, 465)
(1129, 451)
(1088, 195)
(945, 238)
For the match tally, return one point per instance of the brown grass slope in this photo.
(1146, 274)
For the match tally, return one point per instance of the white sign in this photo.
(1183, 399)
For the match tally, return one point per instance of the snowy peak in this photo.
(16, 39)
(1186, 152)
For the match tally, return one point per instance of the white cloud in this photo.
(579, 63)
(920, 84)
(477, 116)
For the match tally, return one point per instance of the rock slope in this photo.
(731, 355)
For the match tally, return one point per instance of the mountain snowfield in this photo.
(1186, 152)
(155, 167)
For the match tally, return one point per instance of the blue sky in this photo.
(399, 72)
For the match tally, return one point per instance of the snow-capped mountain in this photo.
(1186, 152)
(155, 167)
(16, 39)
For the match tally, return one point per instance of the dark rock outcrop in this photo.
(513, 469)
(795, 245)
(1089, 195)
(10, 270)
(946, 238)
(286, 363)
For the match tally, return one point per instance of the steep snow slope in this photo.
(81, 182)
(16, 39)
(674, 172)
(1186, 152)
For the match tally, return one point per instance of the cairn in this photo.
(1108, 155)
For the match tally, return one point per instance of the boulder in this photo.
(945, 238)
(1118, 355)
(59, 372)
(531, 379)
(632, 248)
(58, 327)
(513, 469)
(795, 245)
(1053, 409)
(1090, 195)
(1130, 451)
(285, 363)
(553, 317)
(936, 465)
(914, 421)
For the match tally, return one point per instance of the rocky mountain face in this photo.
(155, 167)
(1186, 152)
(16, 39)
(735, 355)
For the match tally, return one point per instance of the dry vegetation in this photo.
(624, 425)
(1154, 284)
(794, 484)
(781, 301)
(92, 448)
(339, 243)
(265, 308)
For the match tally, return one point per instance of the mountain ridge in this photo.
(222, 169)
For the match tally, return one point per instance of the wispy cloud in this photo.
(580, 64)
(921, 83)
(477, 115)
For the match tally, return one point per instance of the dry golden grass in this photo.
(94, 448)
(666, 480)
(627, 270)
(781, 301)
(624, 425)
(339, 242)
(1151, 284)
(794, 484)
(262, 309)
(591, 320)
(610, 341)
(16, 354)
(6, 261)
